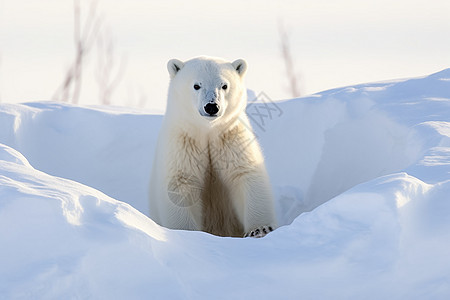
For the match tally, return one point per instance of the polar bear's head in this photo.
(206, 89)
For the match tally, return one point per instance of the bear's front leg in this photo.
(252, 199)
(184, 195)
(241, 164)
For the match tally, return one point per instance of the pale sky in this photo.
(333, 43)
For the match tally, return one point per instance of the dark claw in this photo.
(259, 232)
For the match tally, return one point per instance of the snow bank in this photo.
(107, 148)
(339, 138)
(361, 175)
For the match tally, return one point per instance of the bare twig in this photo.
(288, 60)
(84, 39)
(109, 72)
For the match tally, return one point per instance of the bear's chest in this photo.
(208, 167)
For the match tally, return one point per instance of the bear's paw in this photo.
(259, 231)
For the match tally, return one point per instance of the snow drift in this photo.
(361, 177)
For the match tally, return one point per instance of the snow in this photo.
(361, 177)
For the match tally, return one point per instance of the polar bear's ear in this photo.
(240, 66)
(173, 66)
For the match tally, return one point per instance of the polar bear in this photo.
(208, 173)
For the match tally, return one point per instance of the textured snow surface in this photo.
(361, 177)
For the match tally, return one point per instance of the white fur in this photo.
(208, 167)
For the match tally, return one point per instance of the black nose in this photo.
(211, 109)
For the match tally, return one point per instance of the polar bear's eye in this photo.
(196, 87)
(224, 86)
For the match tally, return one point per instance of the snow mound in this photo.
(362, 182)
